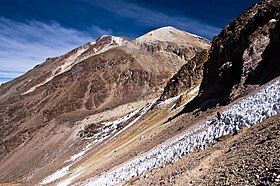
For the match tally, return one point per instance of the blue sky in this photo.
(32, 30)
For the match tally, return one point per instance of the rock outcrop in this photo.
(244, 55)
(188, 76)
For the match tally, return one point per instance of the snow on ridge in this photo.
(167, 33)
(243, 114)
(161, 34)
(166, 28)
(76, 58)
(194, 35)
(119, 40)
(69, 63)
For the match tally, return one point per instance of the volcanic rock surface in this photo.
(97, 82)
(103, 113)
(243, 56)
(190, 75)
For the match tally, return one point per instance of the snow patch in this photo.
(119, 40)
(69, 180)
(273, 21)
(55, 176)
(194, 90)
(243, 114)
(38, 85)
(168, 101)
(143, 111)
(194, 35)
(192, 93)
(80, 154)
(112, 126)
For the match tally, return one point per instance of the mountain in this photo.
(231, 128)
(186, 115)
(243, 56)
(69, 95)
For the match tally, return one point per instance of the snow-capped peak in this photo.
(163, 33)
(109, 39)
(119, 40)
(167, 33)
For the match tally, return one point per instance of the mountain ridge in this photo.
(137, 114)
(112, 75)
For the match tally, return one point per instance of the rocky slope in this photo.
(171, 140)
(250, 157)
(243, 114)
(142, 137)
(190, 75)
(85, 89)
(244, 55)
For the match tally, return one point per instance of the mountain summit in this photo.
(163, 109)
(74, 94)
(170, 34)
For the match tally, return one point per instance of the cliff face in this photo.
(244, 55)
(187, 77)
(91, 117)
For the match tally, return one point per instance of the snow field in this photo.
(243, 114)
(108, 129)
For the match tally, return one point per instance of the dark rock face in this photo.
(188, 76)
(245, 54)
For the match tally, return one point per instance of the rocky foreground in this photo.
(102, 115)
(250, 157)
(254, 109)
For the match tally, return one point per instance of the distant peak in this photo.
(103, 37)
(168, 28)
(110, 39)
(167, 33)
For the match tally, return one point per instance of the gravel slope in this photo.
(250, 157)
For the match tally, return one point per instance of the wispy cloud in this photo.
(149, 17)
(23, 45)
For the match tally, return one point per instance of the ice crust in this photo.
(109, 129)
(245, 113)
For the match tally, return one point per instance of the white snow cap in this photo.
(167, 33)
(119, 40)
(114, 39)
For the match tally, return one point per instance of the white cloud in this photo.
(150, 17)
(23, 45)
